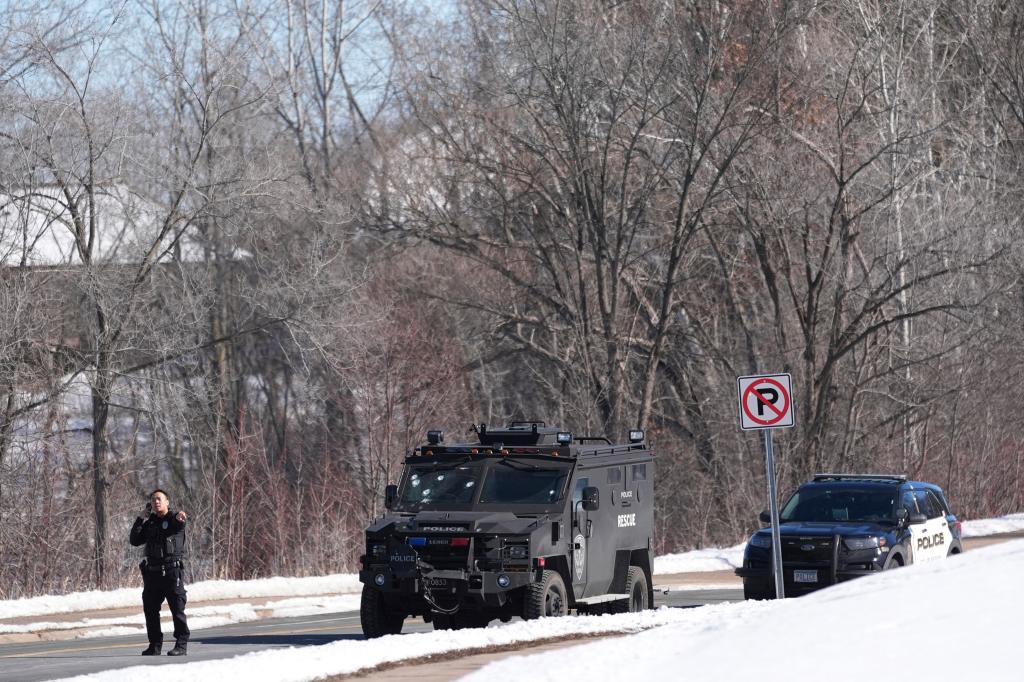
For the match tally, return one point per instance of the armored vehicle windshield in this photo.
(461, 484)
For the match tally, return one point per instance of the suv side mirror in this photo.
(918, 518)
(901, 516)
(390, 495)
(764, 517)
(591, 498)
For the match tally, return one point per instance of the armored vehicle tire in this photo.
(636, 588)
(375, 617)
(546, 598)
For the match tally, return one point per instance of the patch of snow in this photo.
(884, 622)
(972, 598)
(696, 561)
(700, 560)
(348, 656)
(1010, 523)
(130, 597)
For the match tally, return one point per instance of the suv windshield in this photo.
(831, 505)
(518, 482)
(431, 485)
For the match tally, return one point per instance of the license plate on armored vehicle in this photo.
(436, 582)
(805, 576)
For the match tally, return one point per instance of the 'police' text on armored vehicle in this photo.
(529, 522)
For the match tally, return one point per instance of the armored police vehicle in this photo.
(841, 526)
(528, 521)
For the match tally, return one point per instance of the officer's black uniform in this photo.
(163, 576)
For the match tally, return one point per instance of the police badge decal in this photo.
(579, 556)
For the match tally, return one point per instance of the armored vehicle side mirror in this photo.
(390, 495)
(591, 498)
(764, 517)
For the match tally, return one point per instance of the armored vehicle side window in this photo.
(615, 475)
(510, 481)
(639, 472)
(454, 485)
(577, 493)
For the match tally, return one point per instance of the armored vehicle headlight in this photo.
(564, 438)
(517, 552)
(636, 436)
(861, 543)
(763, 541)
(503, 580)
(378, 551)
(379, 579)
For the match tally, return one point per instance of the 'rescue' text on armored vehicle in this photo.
(528, 521)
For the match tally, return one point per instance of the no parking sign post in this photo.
(766, 403)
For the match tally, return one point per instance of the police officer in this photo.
(163, 534)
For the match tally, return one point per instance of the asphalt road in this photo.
(50, 660)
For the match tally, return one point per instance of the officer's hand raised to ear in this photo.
(181, 516)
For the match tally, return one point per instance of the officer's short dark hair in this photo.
(160, 490)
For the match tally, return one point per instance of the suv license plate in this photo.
(805, 576)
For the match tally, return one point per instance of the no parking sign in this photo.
(766, 401)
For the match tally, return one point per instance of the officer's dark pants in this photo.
(156, 588)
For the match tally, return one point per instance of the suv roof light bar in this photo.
(860, 477)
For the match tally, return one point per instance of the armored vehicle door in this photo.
(579, 539)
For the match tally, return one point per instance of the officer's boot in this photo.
(180, 649)
(153, 650)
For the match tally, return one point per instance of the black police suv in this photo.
(841, 526)
(528, 521)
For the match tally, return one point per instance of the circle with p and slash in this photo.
(754, 398)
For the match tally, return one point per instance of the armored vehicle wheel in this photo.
(377, 620)
(546, 598)
(636, 588)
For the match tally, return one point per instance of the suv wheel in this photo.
(636, 588)
(751, 593)
(546, 598)
(375, 617)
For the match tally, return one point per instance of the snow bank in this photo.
(898, 620)
(1010, 523)
(348, 656)
(696, 561)
(207, 590)
(700, 560)
(199, 617)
